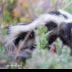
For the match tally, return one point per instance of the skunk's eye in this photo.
(31, 36)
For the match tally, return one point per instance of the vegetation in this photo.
(43, 59)
(24, 11)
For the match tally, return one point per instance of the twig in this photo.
(67, 5)
(21, 46)
(10, 54)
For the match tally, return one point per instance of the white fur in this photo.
(68, 21)
(54, 18)
(65, 13)
(14, 31)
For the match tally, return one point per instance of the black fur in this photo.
(23, 35)
(65, 16)
(58, 13)
(55, 13)
(52, 39)
(51, 25)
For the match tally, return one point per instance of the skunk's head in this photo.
(16, 35)
(29, 42)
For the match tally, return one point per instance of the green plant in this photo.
(58, 45)
(8, 18)
(41, 40)
(2, 50)
(42, 59)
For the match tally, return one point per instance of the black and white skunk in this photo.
(56, 21)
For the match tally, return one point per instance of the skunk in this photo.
(52, 20)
